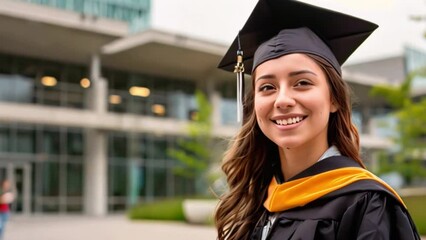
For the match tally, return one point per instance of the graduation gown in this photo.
(351, 204)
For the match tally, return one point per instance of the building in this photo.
(92, 96)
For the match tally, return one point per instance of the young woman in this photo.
(6, 198)
(294, 169)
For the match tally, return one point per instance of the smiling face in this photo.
(292, 102)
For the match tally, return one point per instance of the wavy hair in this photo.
(250, 159)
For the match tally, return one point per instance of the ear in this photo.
(333, 107)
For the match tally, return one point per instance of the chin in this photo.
(288, 144)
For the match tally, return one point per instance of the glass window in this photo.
(27, 67)
(5, 138)
(75, 143)
(117, 180)
(160, 182)
(25, 140)
(6, 64)
(228, 111)
(50, 176)
(74, 179)
(117, 80)
(142, 148)
(161, 101)
(158, 148)
(142, 178)
(139, 105)
(117, 145)
(137, 182)
(228, 89)
(38, 81)
(74, 74)
(16, 88)
(51, 141)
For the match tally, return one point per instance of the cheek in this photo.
(258, 112)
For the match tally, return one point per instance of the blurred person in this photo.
(294, 170)
(6, 198)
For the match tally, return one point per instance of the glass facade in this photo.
(154, 96)
(140, 169)
(25, 80)
(135, 12)
(52, 157)
(228, 104)
(416, 60)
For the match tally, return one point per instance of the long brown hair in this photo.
(248, 163)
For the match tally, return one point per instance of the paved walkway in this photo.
(106, 228)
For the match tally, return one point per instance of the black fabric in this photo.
(362, 210)
(295, 40)
(342, 33)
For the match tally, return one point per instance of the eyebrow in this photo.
(291, 74)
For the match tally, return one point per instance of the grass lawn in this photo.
(159, 210)
(417, 207)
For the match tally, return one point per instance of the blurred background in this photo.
(107, 106)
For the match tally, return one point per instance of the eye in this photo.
(303, 83)
(265, 87)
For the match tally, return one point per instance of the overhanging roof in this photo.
(158, 52)
(37, 31)
(42, 32)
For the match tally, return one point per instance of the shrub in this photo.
(170, 209)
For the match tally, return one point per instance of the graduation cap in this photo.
(279, 27)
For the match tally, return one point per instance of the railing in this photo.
(135, 12)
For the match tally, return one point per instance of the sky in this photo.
(219, 20)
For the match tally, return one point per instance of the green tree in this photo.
(411, 116)
(194, 152)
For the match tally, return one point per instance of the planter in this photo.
(199, 211)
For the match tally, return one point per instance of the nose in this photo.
(284, 99)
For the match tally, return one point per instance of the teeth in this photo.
(289, 121)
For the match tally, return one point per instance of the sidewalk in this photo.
(105, 228)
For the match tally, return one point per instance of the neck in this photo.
(295, 160)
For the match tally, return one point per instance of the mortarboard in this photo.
(279, 27)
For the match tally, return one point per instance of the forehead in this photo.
(289, 63)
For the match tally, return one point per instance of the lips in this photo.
(289, 120)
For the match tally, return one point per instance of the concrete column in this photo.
(215, 101)
(26, 208)
(95, 174)
(96, 157)
(365, 122)
(216, 114)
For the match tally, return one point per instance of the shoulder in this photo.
(374, 215)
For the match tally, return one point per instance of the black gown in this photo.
(361, 210)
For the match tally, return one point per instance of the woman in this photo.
(6, 198)
(294, 170)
